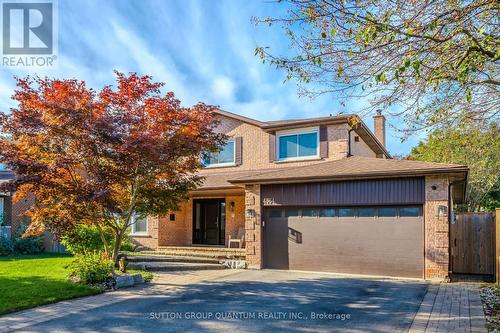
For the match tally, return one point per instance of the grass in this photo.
(27, 281)
(147, 276)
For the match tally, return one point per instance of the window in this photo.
(327, 212)
(298, 145)
(309, 212)
(409, 212)
(140, 226)
(274, 213)
(387, 212)
(346, 212)
(366, 212)
(224, 157)
(291, 212)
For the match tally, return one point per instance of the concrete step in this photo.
(162, 258)
(172, 266)
(199, 252)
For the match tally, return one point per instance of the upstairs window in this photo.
(226, 156)
(298, 144)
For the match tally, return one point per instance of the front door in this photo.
(209, 219)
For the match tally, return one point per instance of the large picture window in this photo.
(224, 157)
(296, 144)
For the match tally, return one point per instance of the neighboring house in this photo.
(317, 195)
(13, 215)
(5, 206)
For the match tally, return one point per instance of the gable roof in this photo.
(360, 128)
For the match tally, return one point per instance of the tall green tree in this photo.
(472, 145)
(438, 61)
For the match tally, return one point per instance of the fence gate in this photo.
(472, 238)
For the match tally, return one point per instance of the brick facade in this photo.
(436, 227)
(253, 227)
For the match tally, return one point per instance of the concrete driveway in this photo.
(257, 301)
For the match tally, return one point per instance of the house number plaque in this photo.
(269, 202)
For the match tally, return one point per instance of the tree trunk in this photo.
(117, 245)
(103, 239)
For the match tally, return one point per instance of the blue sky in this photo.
(203, 51)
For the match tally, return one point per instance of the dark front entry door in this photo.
(209, 220)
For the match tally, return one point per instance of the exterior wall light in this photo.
(442, 211)
(250, 213)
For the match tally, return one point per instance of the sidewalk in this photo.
(162, 283)
(450, 307)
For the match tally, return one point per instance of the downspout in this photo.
(349, 142)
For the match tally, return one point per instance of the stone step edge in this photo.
(194, 254)
(201, 249)
(174, 267)
(160, 258)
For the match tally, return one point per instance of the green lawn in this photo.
(28, 281)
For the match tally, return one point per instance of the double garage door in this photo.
(376, 240)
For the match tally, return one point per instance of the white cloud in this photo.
(162, 69)
(223, 87)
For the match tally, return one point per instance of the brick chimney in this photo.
(379, 127)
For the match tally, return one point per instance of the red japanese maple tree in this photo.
(101, 158)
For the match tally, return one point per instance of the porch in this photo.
(203, 224)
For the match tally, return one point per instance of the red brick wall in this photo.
(253, 229)
(19, 210)
(436, 228)
(178, 232)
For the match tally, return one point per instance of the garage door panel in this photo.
(392, 247)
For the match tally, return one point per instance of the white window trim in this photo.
(140, 233)
(297, 131)
(217, 165)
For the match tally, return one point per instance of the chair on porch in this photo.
(240, 238)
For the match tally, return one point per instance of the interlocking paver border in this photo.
(450, 308)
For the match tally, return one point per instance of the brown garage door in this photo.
(357, 240)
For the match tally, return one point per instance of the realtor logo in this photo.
(28, 33)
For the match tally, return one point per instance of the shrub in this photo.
(91, 268)
(127, 245)
(86, 239)
(26, 245)
(6, 247)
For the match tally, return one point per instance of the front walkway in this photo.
(162, 282)
(450, 307)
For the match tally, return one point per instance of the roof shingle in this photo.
(351, 167)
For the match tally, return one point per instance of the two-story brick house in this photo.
(317, 194)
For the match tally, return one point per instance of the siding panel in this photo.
(357, 192)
